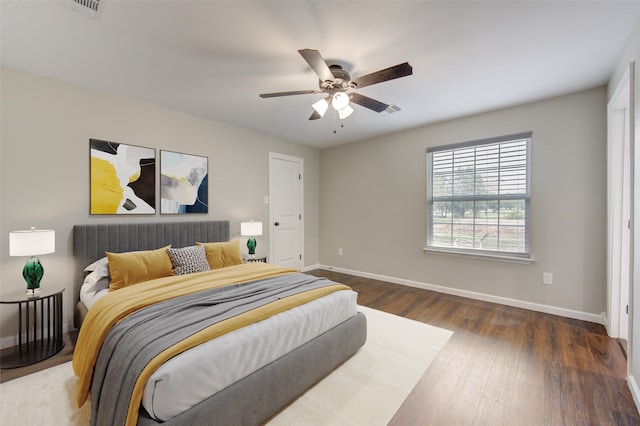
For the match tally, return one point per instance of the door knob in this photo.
(277, 224)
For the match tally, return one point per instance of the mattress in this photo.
(200, 372)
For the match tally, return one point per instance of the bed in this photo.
(252, 391)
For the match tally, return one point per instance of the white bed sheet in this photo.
(200, 372)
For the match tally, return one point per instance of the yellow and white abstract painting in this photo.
(122, 178)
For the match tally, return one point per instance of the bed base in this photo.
(79, 314)
(259, 396)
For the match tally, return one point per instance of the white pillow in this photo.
(95, 265)
(98, 279)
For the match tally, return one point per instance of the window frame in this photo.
(520, 256)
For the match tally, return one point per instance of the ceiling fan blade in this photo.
(367, 102)
(317, 63)
(397, 71)
(315, 116)
(295, 92)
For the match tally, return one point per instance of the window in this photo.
(478, 196)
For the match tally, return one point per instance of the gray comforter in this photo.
(134, 341)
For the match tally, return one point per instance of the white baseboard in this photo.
(605, 322)
(9, 341)
(311, 268)
(635, 390)
(553, 310)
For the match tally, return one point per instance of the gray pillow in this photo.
(188, 260)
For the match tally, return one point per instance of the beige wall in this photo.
(373, 197)
(44, 169)
(367, 198)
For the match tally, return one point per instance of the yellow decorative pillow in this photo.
(137, 266)
(224, 254)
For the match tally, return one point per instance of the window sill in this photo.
(476, 255)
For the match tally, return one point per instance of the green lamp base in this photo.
(251, 245)
(32, 273)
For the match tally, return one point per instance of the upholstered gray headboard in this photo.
(90, 242)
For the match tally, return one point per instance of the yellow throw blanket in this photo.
(107, 311)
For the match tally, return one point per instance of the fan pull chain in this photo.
(335, 115)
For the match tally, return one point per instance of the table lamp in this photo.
(251, 229)
(32, 243)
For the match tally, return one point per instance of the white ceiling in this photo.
(212, 58)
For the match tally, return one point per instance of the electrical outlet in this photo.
(547, 278)
(340, 252)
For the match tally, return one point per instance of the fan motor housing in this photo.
(342, 79)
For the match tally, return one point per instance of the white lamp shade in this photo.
(250, 229)
(321, 106)
(33, 242)
(345, 112)
(340, 100)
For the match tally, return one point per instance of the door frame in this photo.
(275, 156)
(619, 205)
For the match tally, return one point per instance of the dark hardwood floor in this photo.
(502, 366)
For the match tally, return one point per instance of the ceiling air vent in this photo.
(92, 8)
(391, 109)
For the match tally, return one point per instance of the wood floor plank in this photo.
(501, 381)
(527, 404)
(445, 377)
(491, 413)
(602, 350)
(463, 406)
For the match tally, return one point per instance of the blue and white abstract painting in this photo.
(184, 185)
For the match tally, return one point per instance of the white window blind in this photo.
(478, 196)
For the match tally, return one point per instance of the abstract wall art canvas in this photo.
(184, 185)
(123, 178)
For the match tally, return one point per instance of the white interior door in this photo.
(286, 227)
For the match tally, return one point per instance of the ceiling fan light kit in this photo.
(345, 112)
(321, 106)
(335, 82)
(340, 100)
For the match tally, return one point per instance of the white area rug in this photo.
(366, 390)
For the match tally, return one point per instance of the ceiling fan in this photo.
(336, 82)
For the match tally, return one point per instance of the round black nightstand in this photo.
(40, 327)
(257, 259)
